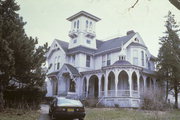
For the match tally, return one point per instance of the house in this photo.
(114, 72)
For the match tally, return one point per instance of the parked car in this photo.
(63, 108)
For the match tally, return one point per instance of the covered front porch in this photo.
(121, 83)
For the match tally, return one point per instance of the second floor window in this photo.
(104, 60)
(58, 63)
(135, 57)
(88, 60)
(74, 24)
(142, 57)
(108, 59)
(78, 24)
(87, 23)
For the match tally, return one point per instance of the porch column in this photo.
(87, 82)
(145, 83)
(138, 84)
(99, 85)
(106, 84)
(116, 83)
(130, 83)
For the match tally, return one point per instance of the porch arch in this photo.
(123, 83)
(93, 87)
(134, 81)
(111, 84)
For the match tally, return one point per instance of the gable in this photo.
(55, 46)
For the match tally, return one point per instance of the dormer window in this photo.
(86, 23)
(78, 24)
(122, 58)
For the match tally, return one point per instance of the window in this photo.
(58, 64)
(87, 61)
(55, 63)
(50, 65)
(149, 65)
(55, 45)
(90, 25)
(136, 40)
(135, 57)
(72, 86)
(104, 60)
(73, 58)
(88, 41)
(78, 24)
(142, 57)
(74, 41)
(74, 24)
(108, 59)
(86, 23)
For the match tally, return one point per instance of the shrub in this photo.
(23, 98)
(154, 100)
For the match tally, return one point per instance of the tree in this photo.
(20, 57)
(175, 3)
(169, 57)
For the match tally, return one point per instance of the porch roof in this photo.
(149, 72)
(73, 70)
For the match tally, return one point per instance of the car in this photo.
(64, 108)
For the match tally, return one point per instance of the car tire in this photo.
(52, 117)
(81, 118)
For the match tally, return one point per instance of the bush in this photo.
(154, 100)
(23, 98)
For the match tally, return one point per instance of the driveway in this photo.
(44, 112)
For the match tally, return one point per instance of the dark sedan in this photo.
(63, 108)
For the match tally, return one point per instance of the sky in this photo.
(46, 19)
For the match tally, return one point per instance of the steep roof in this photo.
(73, 70)
(63, 44)
(83, 13)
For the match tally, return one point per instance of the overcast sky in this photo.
(46, 19)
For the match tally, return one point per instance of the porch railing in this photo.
(123, 93)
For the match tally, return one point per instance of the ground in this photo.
(95, 114)
(14, 114)
(121, 114)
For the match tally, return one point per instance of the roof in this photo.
(102, 46)
(73, 70)
(114, 43)
(137, 44)
(122, 62)
(63, 44)
(147, 71)
(83, 13)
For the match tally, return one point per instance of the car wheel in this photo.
(53, 117)
(81, 118)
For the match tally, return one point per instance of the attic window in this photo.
(136, 40)
(55, 45)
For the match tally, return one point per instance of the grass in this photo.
(127, 114)
(14, 114)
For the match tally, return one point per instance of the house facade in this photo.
(114, 72)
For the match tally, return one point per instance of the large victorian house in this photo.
(114, 72)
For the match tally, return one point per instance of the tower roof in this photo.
(83, 13)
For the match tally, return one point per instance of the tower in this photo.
(82, 31)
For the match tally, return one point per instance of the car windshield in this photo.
(69, 102)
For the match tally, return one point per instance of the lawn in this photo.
(127, 114)
(12, 114)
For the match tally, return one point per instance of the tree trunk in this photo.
(176, 95)
(167, 90)
(1, 99)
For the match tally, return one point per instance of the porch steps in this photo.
(92, 102)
